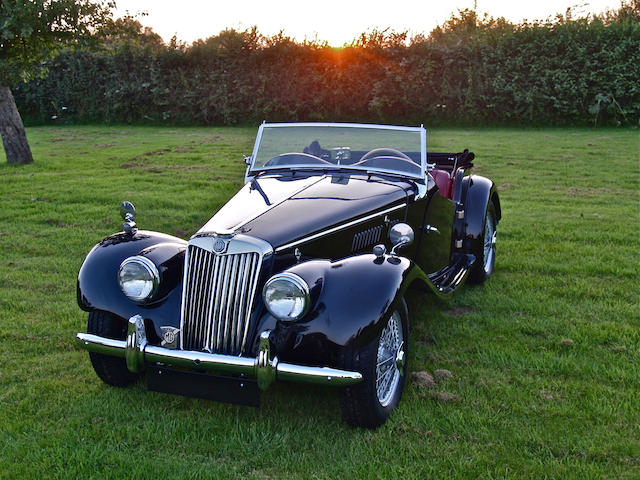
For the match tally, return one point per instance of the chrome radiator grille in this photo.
(217, 300)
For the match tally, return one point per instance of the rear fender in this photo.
(477, 191)
(98, 287)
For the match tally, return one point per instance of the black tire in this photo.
(483, 267)
(111, 370)
(360, 403)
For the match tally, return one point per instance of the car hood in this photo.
(281, 209)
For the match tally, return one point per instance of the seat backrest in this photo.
(443, 181)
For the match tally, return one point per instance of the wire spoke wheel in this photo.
(383, 364)
(490, 237)
(485, 251)
(387, 371)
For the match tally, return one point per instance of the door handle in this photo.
(430, 229)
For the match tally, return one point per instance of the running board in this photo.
(447, 279)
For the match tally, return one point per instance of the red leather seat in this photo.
(443, 181)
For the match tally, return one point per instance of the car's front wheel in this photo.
(111, 370)
(383, 364)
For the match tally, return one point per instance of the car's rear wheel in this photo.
(383, 364)
(111, 370)
(486, 254)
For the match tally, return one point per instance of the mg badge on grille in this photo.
(219, 245)
(170, 337)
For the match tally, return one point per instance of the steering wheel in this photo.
(293, 157)
(390, 163)
(384, 152)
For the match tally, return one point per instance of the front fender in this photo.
(351, 300)
(98, 285)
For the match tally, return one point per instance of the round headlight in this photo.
(138, 278)
(286, 296)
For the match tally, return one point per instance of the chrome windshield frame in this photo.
(250, 173)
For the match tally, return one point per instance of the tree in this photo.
(129, 29)
(31, 32)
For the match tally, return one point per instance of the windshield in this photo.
(380, 148)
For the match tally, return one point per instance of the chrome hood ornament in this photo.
(128, 212)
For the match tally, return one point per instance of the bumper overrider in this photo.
(265, 367)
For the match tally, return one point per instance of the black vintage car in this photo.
(300, 277)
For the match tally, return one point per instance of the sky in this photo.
(337, 22)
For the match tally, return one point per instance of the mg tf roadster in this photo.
(300, 277)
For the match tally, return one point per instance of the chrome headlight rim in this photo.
(299, 283)
(151, 268)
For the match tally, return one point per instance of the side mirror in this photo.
(401, 235)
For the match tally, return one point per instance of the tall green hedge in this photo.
(468, 71)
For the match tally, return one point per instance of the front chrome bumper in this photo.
(265, 367)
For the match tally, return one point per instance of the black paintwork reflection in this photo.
(98, 288)
(312, 204)
(435, 247)
(256, 197)
(352, 297)
(169, 258)
(477, 192)
(351, 300)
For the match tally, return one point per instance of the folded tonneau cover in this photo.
(451, 161)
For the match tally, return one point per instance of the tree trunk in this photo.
(12, 131)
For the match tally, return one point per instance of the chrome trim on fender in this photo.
(339, 227)
(265, 367)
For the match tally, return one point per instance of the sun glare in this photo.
(336, 22)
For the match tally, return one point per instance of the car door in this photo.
(434, 244)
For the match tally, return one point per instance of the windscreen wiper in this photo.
(256, 186)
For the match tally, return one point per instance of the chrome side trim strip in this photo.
(339, 227)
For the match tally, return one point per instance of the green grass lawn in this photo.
(545, 357)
